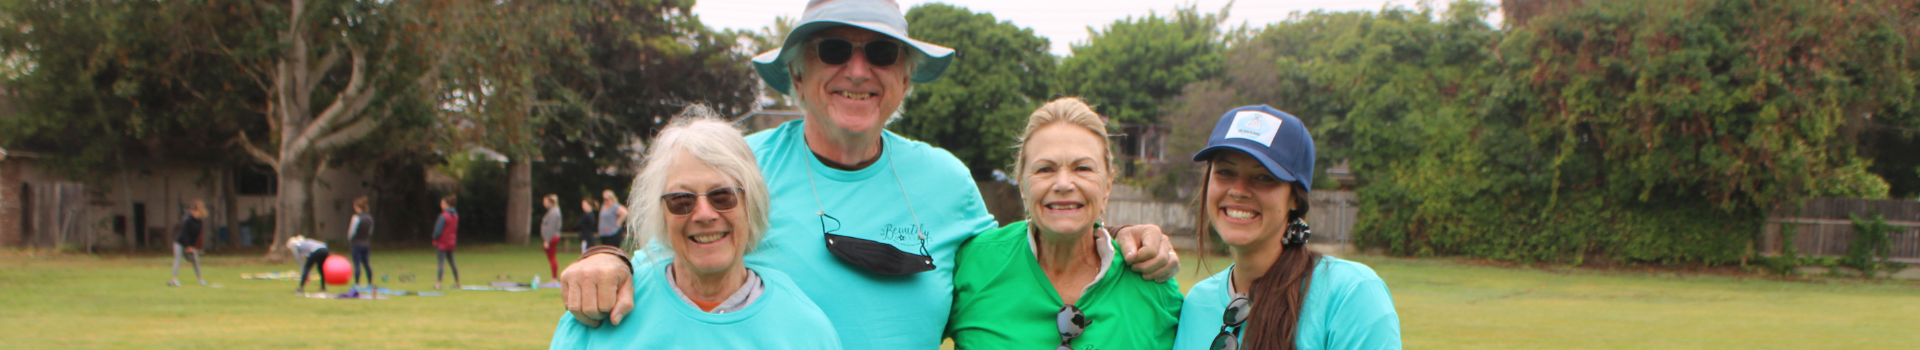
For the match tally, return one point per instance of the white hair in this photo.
(701, 134)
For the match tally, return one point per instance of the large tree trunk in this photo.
(519, 199)
(294, 210)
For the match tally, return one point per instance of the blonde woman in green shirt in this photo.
(1054, 279)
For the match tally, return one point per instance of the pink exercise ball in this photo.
(336, 270)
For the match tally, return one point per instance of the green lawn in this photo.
(113, 301)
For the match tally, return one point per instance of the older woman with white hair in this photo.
(701, 207)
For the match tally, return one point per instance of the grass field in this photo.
(114, 301)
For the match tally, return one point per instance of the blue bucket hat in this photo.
(1276, 138)
(880, 16)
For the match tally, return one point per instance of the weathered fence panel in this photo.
(1332, 216)
(54, 213)
(1822, 228)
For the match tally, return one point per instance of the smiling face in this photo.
(1065, 180)
(855, 97)
(1249, 205)
(703, 241)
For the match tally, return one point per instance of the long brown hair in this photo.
(1279, 294)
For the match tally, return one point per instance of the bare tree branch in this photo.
(345, 134)
(347, 105)
(258, 154)
(320, 70)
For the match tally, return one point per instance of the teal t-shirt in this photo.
(782, 318)
(1347, 307)
(871, 311)
(1002, 300)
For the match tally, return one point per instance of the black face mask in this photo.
(880, 258)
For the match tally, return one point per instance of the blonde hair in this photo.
(294, 242)
(197, 208)
(1064, 110)
(700, 134)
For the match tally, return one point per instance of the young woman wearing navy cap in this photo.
(1278, 294)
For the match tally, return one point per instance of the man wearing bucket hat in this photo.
(875, 254)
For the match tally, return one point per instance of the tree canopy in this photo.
(1622, 130)
(978, 109)
(1131, 69)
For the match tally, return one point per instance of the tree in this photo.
(1629, 131)
(626, 68)
(97, 84)
(350, 56)
(1136, 66)
(978, 109)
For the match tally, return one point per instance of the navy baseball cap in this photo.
(1279, 140)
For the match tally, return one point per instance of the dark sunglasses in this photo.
(881, 258)
(836, 51)
(1232, 322)
(1072, 323)
(722, 199)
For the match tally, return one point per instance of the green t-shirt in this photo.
(1003, 301)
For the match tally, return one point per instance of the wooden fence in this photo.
(53, 215)
(1822, 227)
(1332, 216)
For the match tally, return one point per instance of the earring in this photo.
(1297, 234)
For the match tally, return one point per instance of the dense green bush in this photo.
(1870, 244)
(1635, 131)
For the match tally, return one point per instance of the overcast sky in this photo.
(1062, 21)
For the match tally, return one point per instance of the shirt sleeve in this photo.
(550, 226)
(439, 224)
(1365, 319)
(570, 334)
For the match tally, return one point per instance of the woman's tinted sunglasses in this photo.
(682, 203)
(1232, 321)
(1072, 324)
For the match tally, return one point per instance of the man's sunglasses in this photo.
(836, 51)
(682, 203)
(1072, 324)
(1232, 322)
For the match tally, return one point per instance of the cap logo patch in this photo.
(1254, 125)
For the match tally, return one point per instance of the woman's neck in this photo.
(1252, 261)
(1070, 261)
(844, 151)
(710, 287)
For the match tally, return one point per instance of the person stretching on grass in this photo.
(446, 231)
(187, 244)
(314, 253)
